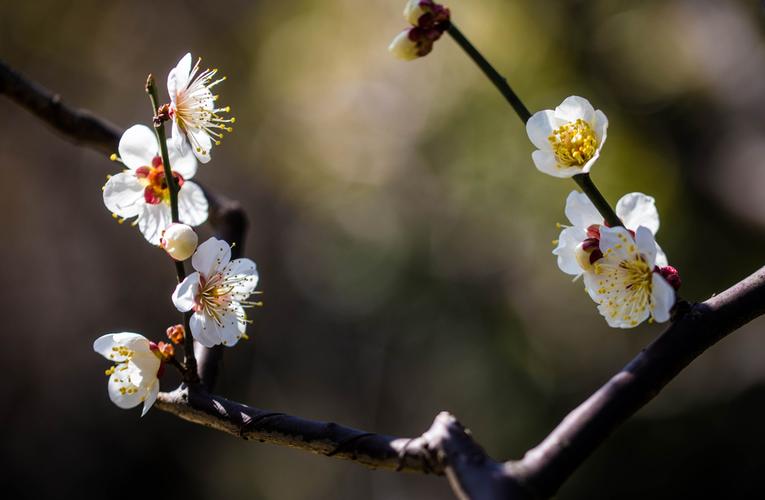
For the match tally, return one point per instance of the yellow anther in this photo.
(113, 157)
(109, 371)
(574, 143)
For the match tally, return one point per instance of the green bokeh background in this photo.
(402, 236)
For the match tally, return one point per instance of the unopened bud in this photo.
(176, 333)
(672, 276)
(587, 253)
(414, 10)
(167, 350)
(404, 47)
(179, 241)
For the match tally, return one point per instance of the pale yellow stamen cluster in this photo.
(195, 108)
(218, 296)
(626, 286)
(574, 143)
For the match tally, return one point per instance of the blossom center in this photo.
(155, 185)
(574, 143)
(217, 296)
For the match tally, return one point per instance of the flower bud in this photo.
(176, 333)
(413, 11)
(179, 241)
(167, 350)
(404, 47)
(587, 253)
(672, 276)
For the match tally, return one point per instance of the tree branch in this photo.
(447, 447)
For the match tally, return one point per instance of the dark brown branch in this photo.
(227, 218)
(546, 467)
(447, 448)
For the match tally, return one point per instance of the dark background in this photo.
(402, 235)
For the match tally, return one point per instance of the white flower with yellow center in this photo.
(134, 378)
(141, 191)
(568, 138)
(217, 293)
(626, 282)
(577, 246)
(193, 110)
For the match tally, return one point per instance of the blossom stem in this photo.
(189, 361)
(583, 180)
(596, 197)
(492, 74)
(159, 128)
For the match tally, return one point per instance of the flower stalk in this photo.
(584, 181)
(189, 361)
(159, 128)
(492, 74)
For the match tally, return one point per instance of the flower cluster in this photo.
(428, 21)
(155, 189)
(625, 271)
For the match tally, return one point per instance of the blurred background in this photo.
(402, 236)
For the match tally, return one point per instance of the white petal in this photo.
(575, 107)
(661, 257)
(581, 212)
(646, 245)
(568, 240)
(178, 78)
(123, 194)
(246, 274)
(179, 140)
(540, 126)
(151, 397)
(662, 298)
(231, 329)
(617, 244)
(185, 292)
(210, 256)
(201, 144)
(185, 163)
(600, 127)
(204, 330)
(637, 209)
(618, 320)
(547, 164)
(103, 345)
(192, 204)
(138, 146)
(118, 380)
(153, 220)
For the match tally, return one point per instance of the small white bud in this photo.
(179, 241)
(413, 11)
(403, 47)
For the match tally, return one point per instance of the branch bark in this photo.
(447, 448)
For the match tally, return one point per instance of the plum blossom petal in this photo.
(138, 146)
(638, 209)
(185, 292)
(211, 255)
(568, 240)
(124, 195)
(153, 220)
(664, 298)
(193, 207)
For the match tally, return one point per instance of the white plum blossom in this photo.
(179, 241)
(625, 282)
(217, 293)
(137, 364)
(577, 245)
(193, 110)
(141, 191)
(568, 139)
